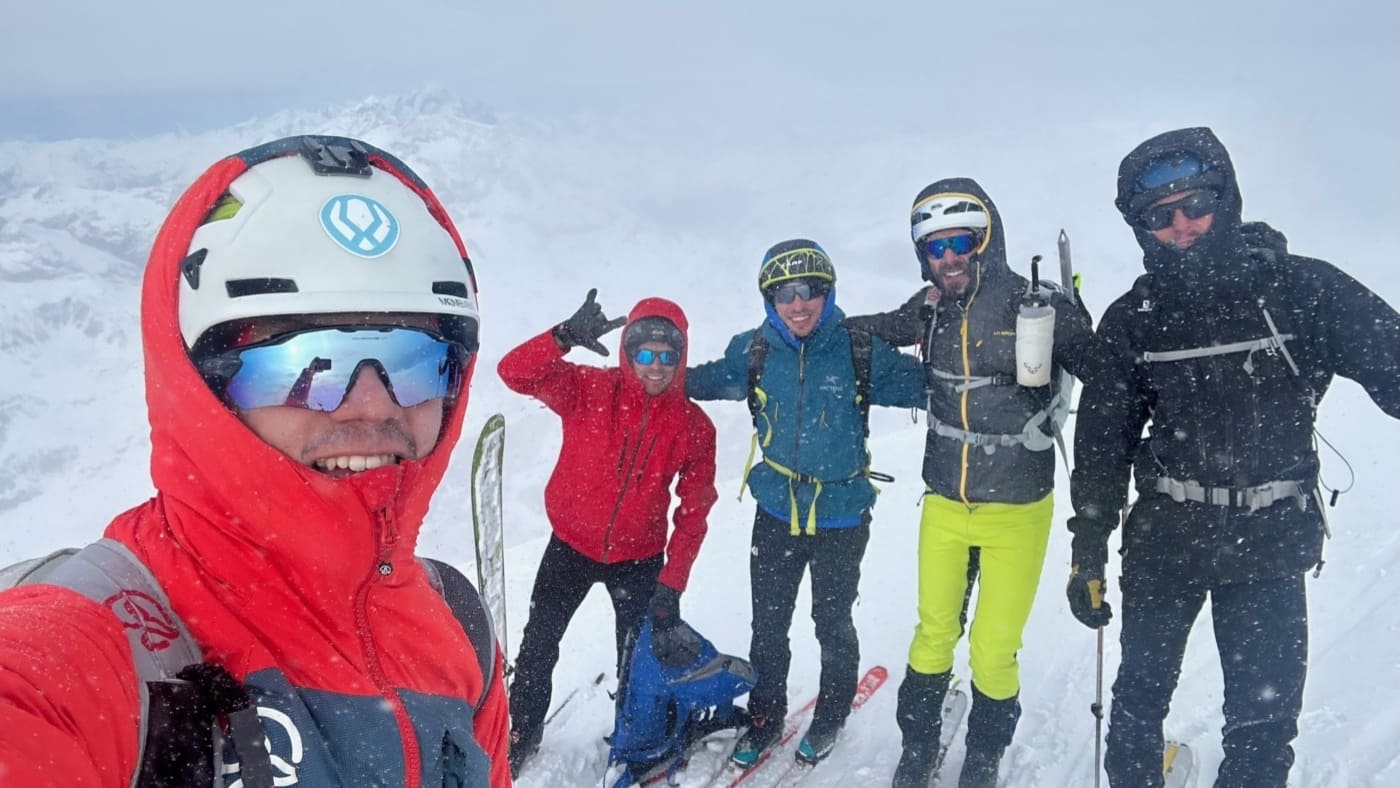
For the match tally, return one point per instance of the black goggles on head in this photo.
(315, 369)
(806, 289)
(1159, 217)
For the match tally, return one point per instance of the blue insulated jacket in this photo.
(816, 426)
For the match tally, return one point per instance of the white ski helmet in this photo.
(330, 230)
(947, 211)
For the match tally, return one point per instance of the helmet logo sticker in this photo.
(362, 226)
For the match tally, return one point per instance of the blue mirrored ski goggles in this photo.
(314, 369)
(1159, 217)
(935, 248)
(668, 358)
(805, 289)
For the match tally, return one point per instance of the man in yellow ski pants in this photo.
(989, 469)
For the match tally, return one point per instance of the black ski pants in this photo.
(1261, 632)
(776, 564)
(564, 578)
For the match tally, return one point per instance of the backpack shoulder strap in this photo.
(758, 354)
(173, 712)
(470, 611)
(861, 352)
(110, 575)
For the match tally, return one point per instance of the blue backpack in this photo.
(676, 689)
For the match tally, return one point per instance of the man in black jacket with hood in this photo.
(1225, 346)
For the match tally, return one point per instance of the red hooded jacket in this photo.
(610, 492)
(303, 586)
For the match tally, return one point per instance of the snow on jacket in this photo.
(817, 427)
(304, 587)
(610, 492)
(1234, 420)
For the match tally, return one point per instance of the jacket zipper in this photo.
(801, 397)
(386, 535)
(626, 481)
(967, 375)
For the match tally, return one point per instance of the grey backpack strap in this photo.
(471, 613)
(108, 574)
(178, 736)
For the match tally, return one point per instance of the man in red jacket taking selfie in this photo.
(629, 432)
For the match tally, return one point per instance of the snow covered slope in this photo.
(685, 212)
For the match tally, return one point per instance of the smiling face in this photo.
(368, 430)
(800, 314)
(655, 376)
(951, 270)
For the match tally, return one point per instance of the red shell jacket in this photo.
(610, 491)
(304, 587)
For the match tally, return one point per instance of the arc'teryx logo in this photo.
(362, 226)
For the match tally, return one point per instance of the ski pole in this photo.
(1097, 709)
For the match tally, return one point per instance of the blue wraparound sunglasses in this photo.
(668, 358)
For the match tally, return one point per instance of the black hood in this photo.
(991, 262)
(1217, 259)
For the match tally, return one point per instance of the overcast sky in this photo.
(78, 68)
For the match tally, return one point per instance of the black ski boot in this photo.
(920, 717)
(990, 726)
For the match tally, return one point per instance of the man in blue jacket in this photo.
(809, 381)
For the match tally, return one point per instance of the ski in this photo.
(487, 521)
(954, 711)
(691, 768)
(1178, 765)
(873, 679)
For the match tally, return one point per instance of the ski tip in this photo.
(1178, 764)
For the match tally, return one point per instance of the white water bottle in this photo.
(1035, 342)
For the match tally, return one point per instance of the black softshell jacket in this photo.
(1235, 420)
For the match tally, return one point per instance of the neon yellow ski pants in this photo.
(1012, 538)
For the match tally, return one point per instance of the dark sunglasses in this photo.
(668, 358)
(315, 369)
(957, 244)
(805, 289)
(1159, 217)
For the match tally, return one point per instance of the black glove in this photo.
(1087, 586)
(664, 608)
(585, 326)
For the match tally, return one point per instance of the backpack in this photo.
(860, 357)
(182, 697)
(861, 353)
(675, 689)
